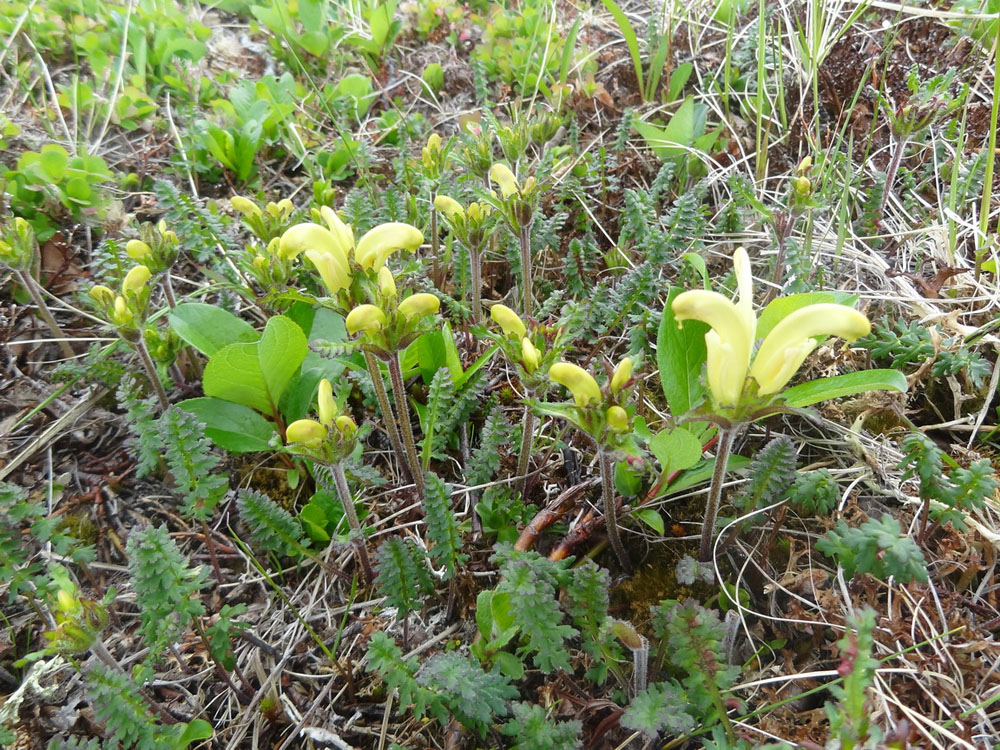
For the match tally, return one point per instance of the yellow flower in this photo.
(139, 250)
(531, 358)
(579, 382)
(332, 268)
(341, 231)
(505, 179)
(449, 207)
(386, 284)
(617, 419)
(327, 406)
(309, 236)
(307, 432)
(622, 374)
(364, 318)
(135, 280)
(385, 239)
(419, 305)
(346, 425)
(734, 327)
(508, 320)
(120, 314)
(245, 206)
(102, 295)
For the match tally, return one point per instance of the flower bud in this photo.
(386, 284)
(622, 374)
(102, 295)
(307, 432)
(259, 262)
(245, 206)
(139, 251)
(449, 207)
(508, 320)
(327, 406)
(617, 419)
(135, 280)
(579, 382)
(802, 186)
(531, 358)
(364, 318)
(504, 178)
(346, 426)
(120, 314)
(417, 306)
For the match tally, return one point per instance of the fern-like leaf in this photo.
(402, 576)
(442, 525)
(146, 443)
(770, 474)
(271, 527)
(191, 462)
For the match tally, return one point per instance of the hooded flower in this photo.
(508, 320)
(385, 239)
(734, 326)
(419, 305)
(579, 382)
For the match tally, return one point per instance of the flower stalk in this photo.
(611, 509)
(391, 426)
(527, 439)
(45, 314)
(722, 451)
(344, 493)
(406, 428)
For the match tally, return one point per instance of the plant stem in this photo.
(45, 314)
(991, 154)
(387, 414)
(527, 438)
(890, 177)
(611, 511)
(526, 269)
(154, 379)
(726, 438)
(340, 479)
(475, 262)
(406, 429)
(436, 269)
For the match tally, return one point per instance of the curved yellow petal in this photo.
(791, 340)
(332, 268)
(327, 406)
(449, 207)
(531, 358)
(138, 250)
(308, 236)
(245, 206)
(617, 419)
(579, 382)
(120, 314)
(418, 305)
(385, 239)
(744, 289)
(725, 378)
(505, 179)
(135, 280)
(340, 230)
(508, 320)
(622, 375)
(364, 318)
(307, 432)
(346, 425)
(386, 284)
(102, 295)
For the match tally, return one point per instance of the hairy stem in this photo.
(526, 269)
(524, 458)
(406, 429)
(611, 510)
(725, 446)
(476, 266)
(147, 363)
(387, 414)
(340, 479)
(45, 314)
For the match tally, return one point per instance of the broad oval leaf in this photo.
(234, 427)
(209, 328)
(281, 350)
(680, 355)
(675, 449)
(233, 374)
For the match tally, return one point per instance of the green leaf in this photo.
(781, 307)
(197, 730)
(281, 350)
(651, 518)
(233, 374)
(702, 472)
(864, 381)
(232, 426)
(675, 449)
(672, 141)
(631, 41)
(209, 328)
(680, 354)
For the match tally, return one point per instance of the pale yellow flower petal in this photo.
(102, 295)
(449, 207)
(791, 340)
(308, 236)
(138, 250)
(508, 320)
(327, 406)
(385, 239)
(332, 268)
(579, 382)
(386, 284)
(307, 432)
(531, 358)
(505, 179)
(135, 280)
(364, 318)
(245, 206)
(622, 375)
(418, 305)
(617, 419)
(340, 230)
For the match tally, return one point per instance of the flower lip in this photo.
(500, 174)
(379, 243)
(579, 382)
(419, 305)
(308, 236)
(364, 318)
(307, 432)
(622, 375)
(332, 268)
(531, 358)
(342, 232)
(508, 320)
(449, 207)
